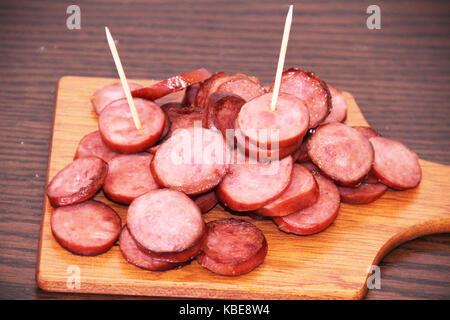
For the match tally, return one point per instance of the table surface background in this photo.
(399, 76)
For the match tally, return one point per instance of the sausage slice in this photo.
(77, 182)
(309, 88)
(395, 164)
(341, 152)
(87, 228)
(176, 83)
(233, 247)
(301, 193)
(316, 217)
(129, 177)
(338, 111)
(290, 120)
(165, 221)
(92, 145)
(192, 160)
(250, 184)
(104, 96)
(119, 132)
(134, 255)
(364, 193)
(243, 87)
(206, 201)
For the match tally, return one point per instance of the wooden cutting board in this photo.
(333, 264)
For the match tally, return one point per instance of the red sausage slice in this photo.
(301, 193)
(108, 94)
(119, 132)
(243, 87)
(165, 221)
(77, 182)
(129, 177)
(338, 111)
(316, 217)
(179, 257)
(192, 160)
(250, 185)
(190, 95)
(310, 89)
(205, 88)
(363, 193)
(134, 255)
(367, 132)
(87, 228)
(341, 153)
(290, 120)
(92, 145)
(223, 111)
(233, 247)
(263, 153)
(172, 84)
(395, 164)
(206, 201)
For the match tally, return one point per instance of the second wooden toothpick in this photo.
(123, 79)
(284, 43)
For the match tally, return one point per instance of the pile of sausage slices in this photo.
(222, 143)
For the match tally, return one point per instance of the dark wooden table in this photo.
(399, 76)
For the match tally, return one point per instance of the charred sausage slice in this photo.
(233, 247)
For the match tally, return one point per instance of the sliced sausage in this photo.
(92, 145)
(341, 153)
(104, 96)
(205, 88)
(87, 228)
(316, 217)
(310, 89)
(206, 201)
(119, 132)
(367, 132)
(165, 221)
(77, 182)
(179, 257)
(262, 153)
(395, 164)
(338, 111)
(233, 247)
(243, 87)
(129, 177)
(134, 255)
(172, 84)
(251, 184)
(301, 193)
(363, 193)
(223, 111)
(290, 120)
(192, 160)
(190, 95)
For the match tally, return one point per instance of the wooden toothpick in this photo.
(284, 43)
(123, 79)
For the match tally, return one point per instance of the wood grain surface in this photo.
(399, 76)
